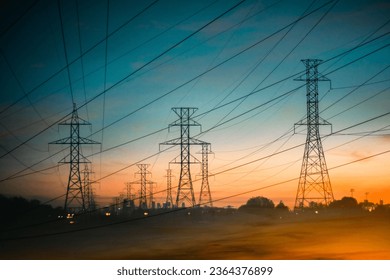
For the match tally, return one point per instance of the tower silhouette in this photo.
(129, 195)
(185, 190)
(89, 197)
(143, 182)
(205, 194)
(75, 199)
(314, 184)
(169, 199)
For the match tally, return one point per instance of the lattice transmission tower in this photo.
(89, 196)
(75, 199)
(314, 184)
(169, 199)
(185, 190)
(144, 182)
(205, 194)
(129, 189)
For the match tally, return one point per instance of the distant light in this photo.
(316, 212)
(146, 213)
(189, 213)
(108, 214)
(71, 222)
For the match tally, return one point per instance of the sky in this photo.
(126, 64)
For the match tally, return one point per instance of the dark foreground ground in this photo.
(203, 236)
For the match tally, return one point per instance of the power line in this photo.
(82, 64)
(82, 57)
(366, 84)
(179, 209)
(9, 27)
(253, 92)
(362, 42)
(250, 162)
(334, 133)
(301, 72)
(358, 160)
(65, 50)
(105, 70)
(367, 42)
(361, 102)
(83, 54)
(51, 221)
(355, 89)
(285, 57)
(132, 73)
(115, 59)
(207, 71)
(299, 145)
(216, 57)
(156, 58)
(360, 45)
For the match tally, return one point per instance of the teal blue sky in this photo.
(157, 56)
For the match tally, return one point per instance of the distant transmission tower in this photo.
(129, 195)
(205, 194)
(143, 182)
(74, 200)
(89, 199)
(185, 191)
(169, 199)
(314, 183)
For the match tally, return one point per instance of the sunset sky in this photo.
(127, 63)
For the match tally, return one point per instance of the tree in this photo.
(281, 206)
(258, 204)
(345, 202)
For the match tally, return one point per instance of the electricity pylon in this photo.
(185, 190)
(89, 198)
(143, 182)
(205, 194)
(169, 199)
(74, 200)
(129, 194)
(314, 183)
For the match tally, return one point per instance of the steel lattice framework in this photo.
(169, 199)
(129, 194)
(205, 194)
(74, 201)
(89, 198)
(185, 190)
(143, 182)
(314, 183)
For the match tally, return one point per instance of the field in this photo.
(192, 235)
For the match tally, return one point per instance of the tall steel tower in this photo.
(169, 199)
(314, 183)
(129, 194)
(205, 194)
(185, 191)
(74, 201)
(143, 182)
(89, 199)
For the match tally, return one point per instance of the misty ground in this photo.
(192, 235)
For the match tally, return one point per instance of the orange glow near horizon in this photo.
(240, 78)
